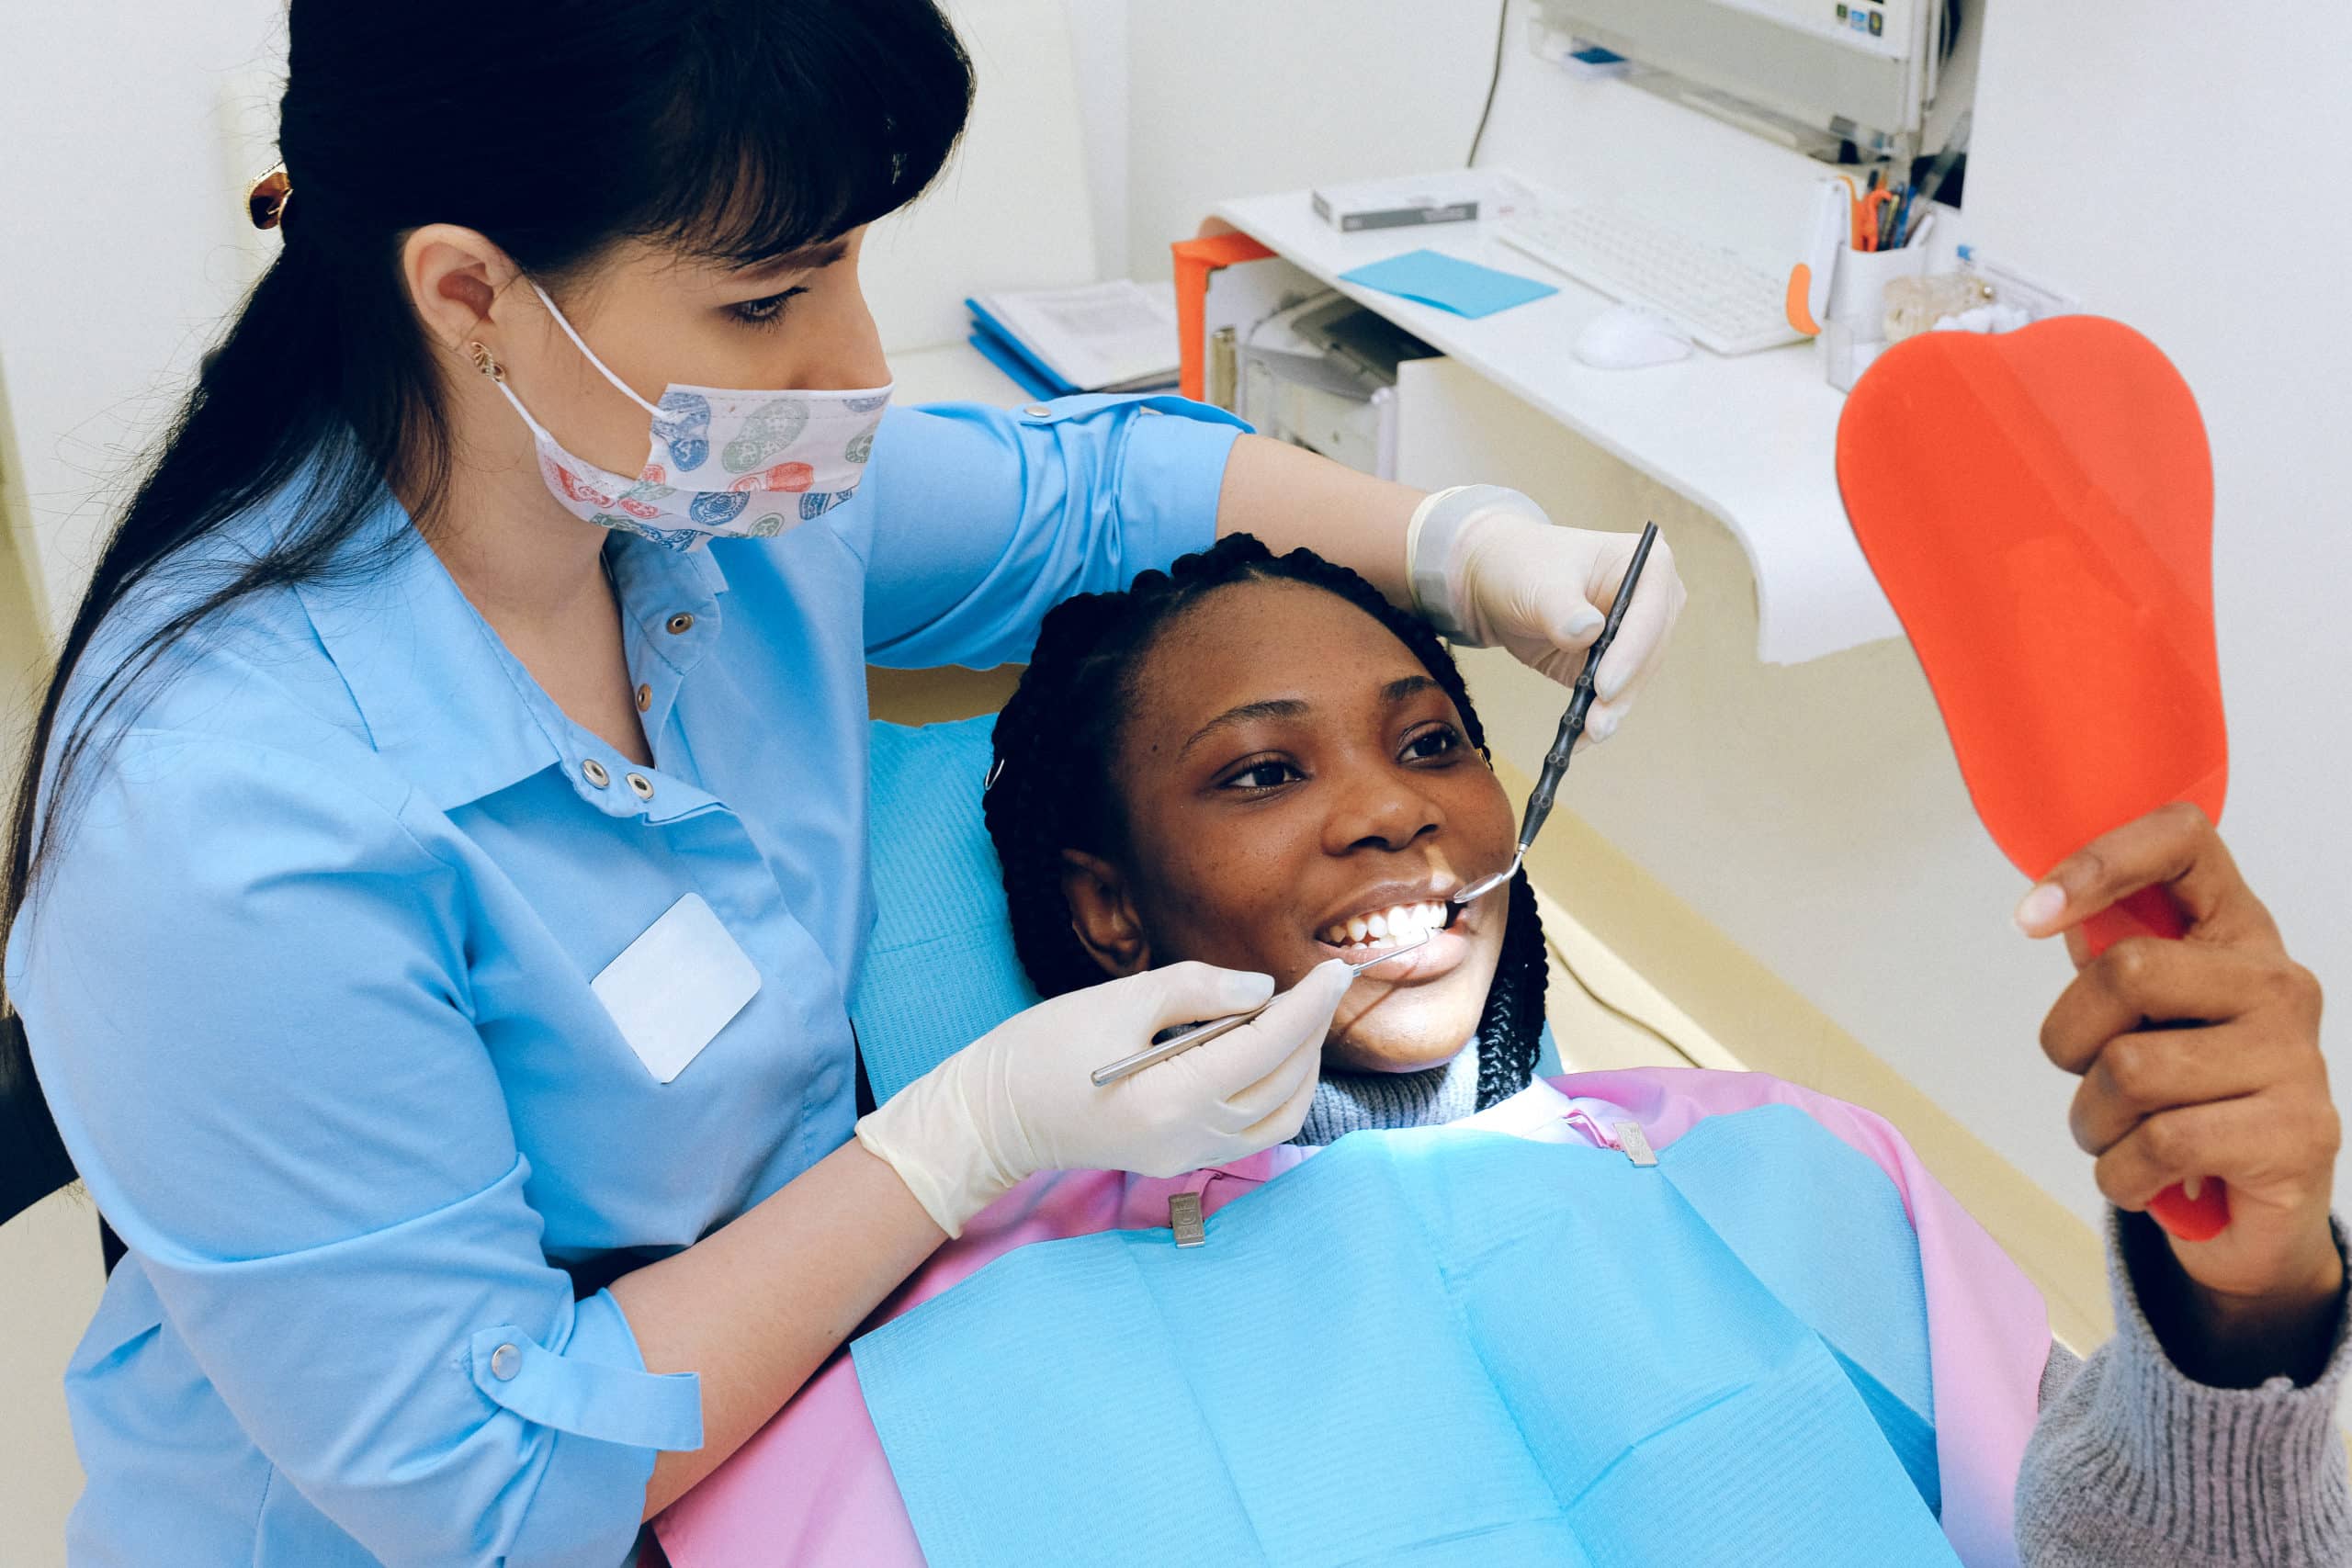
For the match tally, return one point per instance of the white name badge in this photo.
(672, 990)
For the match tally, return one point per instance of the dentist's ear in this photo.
(455, 276)
(1102, 914)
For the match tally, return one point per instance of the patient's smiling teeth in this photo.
(1400, 922)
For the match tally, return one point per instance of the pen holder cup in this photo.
(1856, 329)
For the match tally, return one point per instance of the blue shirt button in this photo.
(504, 1362)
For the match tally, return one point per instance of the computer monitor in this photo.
(1863, 70)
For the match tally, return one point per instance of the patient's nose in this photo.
(1380, 810)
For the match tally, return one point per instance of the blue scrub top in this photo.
(307, 988)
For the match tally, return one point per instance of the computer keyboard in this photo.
(1723, 300)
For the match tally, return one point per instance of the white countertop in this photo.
(1750, 437)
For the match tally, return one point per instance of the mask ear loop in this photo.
(487, 363)
(601, 368)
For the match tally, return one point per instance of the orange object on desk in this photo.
(1867, 221)
(1195, 259)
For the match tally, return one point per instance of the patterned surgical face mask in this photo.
(723, 464)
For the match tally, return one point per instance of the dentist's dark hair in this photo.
(735, 130)
(1054, 789)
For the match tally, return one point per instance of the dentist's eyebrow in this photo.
(800, 258)
(1409, 686)
(1272, 707)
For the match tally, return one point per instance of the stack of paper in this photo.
(1099, 337)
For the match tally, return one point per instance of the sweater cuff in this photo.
(2254, 1474)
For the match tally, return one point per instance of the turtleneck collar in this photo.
(1355, 1103)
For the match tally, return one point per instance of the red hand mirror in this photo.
(2039, 506)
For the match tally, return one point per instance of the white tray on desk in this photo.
(1750, 438)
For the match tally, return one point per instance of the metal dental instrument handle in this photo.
(1202, 1034)
(1564, 744)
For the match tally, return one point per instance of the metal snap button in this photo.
(1038, 410)
(504, 1362)
(644, 698)
(594, 771)
(643, 785)
(681, 621)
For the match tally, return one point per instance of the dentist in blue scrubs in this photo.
(440, 873)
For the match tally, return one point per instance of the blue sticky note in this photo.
(1448, 282)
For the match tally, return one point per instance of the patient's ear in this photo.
(1104, 915)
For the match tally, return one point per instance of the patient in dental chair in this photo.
(1258, 763)
(1266, 766)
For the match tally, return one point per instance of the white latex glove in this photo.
(1489, 569)
(1019, 1099)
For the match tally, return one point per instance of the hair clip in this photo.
(265, 199)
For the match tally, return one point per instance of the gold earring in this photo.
(484, 361)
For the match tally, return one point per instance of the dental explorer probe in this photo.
(1556, 761)
(1202, 1034)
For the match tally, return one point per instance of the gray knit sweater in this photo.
(2131, 1464)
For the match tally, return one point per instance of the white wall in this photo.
(126, 239)
(1234, 97)
(1012, 210)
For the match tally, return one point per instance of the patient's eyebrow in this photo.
(1396, 692)
(1272, 707)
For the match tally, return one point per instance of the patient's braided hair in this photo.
(1051, 786)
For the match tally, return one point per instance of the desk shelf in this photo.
(1750, 437)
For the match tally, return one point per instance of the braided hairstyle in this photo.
(1051, 788)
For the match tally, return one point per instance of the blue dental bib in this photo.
(1444, 1347)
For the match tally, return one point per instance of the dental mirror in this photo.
(1202, 1034)
(1564, 744)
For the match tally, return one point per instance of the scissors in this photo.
(1202, 1034)
(1870, 219)
(1556, 761)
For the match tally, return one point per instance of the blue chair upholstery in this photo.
(939, 970)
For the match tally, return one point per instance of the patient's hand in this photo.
(2237, 1090)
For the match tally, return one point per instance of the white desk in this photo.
(1750, 438)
